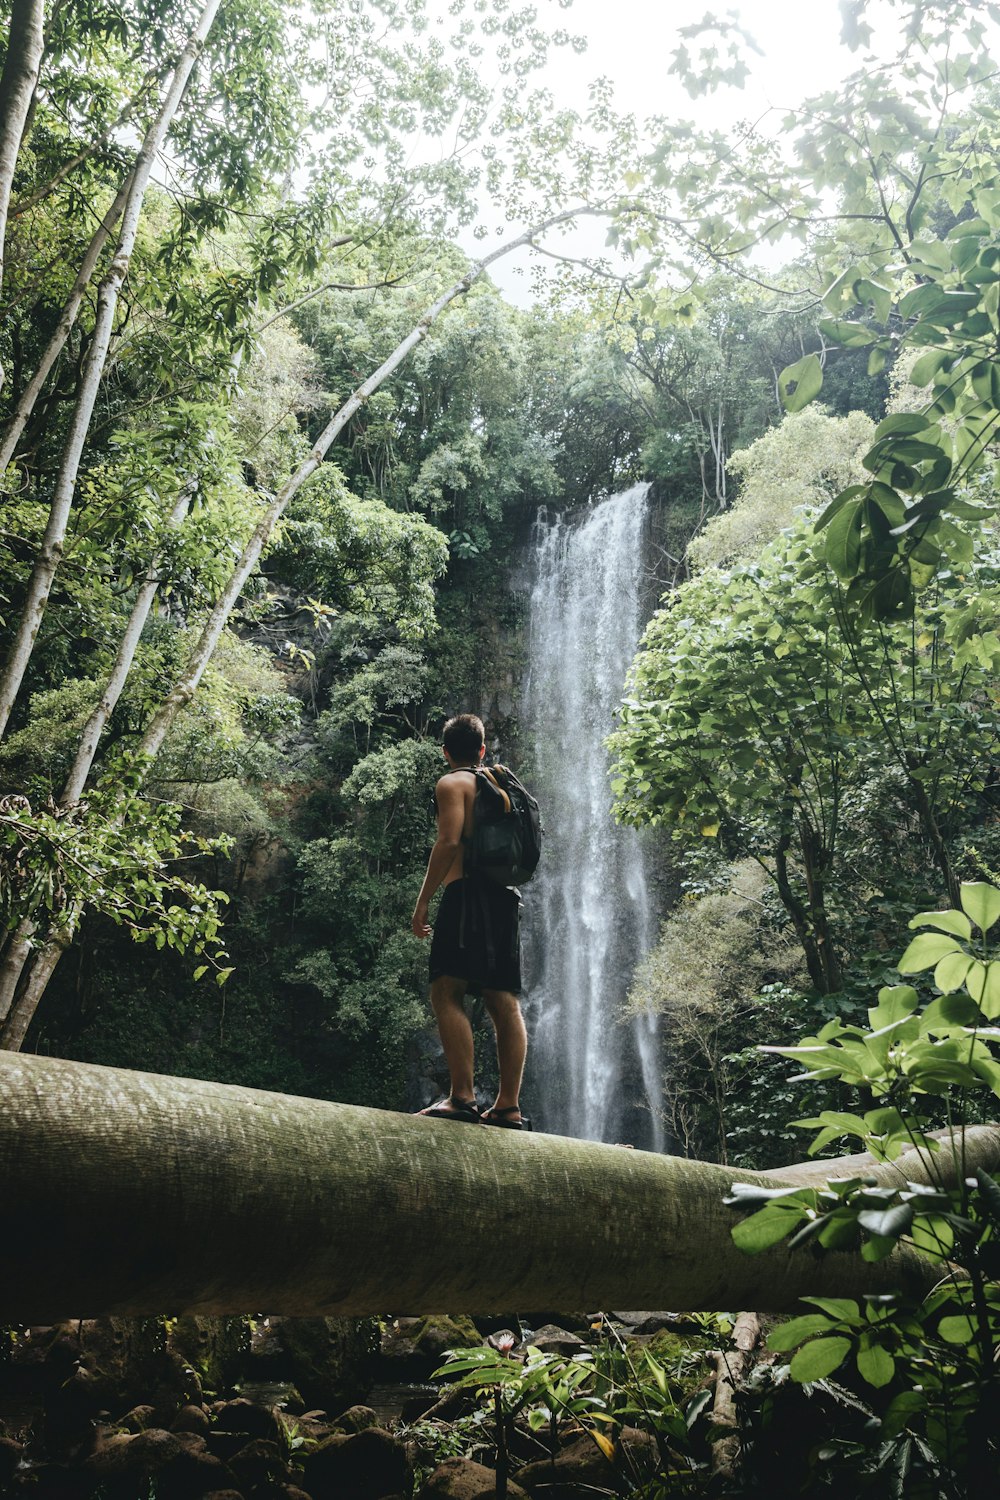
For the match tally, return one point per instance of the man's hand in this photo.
(421, 927)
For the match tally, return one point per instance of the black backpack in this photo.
(506, 841)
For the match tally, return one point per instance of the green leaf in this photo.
(925, 951)
(950, 1010)
(847, 334)
(843, 1308)
(989, 999)
(888, 1223)
(951, 971)
(818, 1359)
(789, 1335)
(843, 540)
(981, 902)
(763, 1229)
(895, 1002)
(800, 383)
(837, 504)
(958, 1329)
(944, 921)
(875, 1365)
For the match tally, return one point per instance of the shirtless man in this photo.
(475, 942)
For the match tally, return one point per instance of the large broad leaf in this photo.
(800, 383)
(944, 921)
(847, 334)
(843, 540)
(763, 1229)
(895, 1001)
(989, 997)
(875, 1365)
(951, 971)
(959, 1329)
(789, 1335)
(981, 902)
(818, 1359)
(887, 1222)
(926, 951)
(837, 504)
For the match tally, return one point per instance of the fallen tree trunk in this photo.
(133, 1193)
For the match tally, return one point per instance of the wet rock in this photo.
(462, 1479)
(245, 1416)
(191, 1419)
(553, 1340)
(355, 1419)
(576, 1322)
(417, 1346)
(215, 1348)
(179, 1463)
(258, 1463)
(581, 1465)
(366, 1465)
(138, 1419)
(653, 1322)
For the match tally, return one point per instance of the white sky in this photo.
(632, 41)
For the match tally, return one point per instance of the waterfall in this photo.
(588, 914)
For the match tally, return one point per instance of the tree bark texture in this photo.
(135, 1194)
(17, 88)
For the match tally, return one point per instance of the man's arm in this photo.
(450, 825)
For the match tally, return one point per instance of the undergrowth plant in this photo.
(930, 1363)
(596, 1393)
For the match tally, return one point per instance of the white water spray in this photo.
(589, 916)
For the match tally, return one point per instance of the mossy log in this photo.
(132, 1194)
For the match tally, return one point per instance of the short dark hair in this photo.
(464, 737)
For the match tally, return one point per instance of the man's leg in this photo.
(455, 1030)
(512, 1044)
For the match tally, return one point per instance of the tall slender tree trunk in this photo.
(46, 959)
(18, 81)
(50, 552)
(133, 1194)
(14, 1020)
(26, 402)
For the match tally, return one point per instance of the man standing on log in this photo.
(475, 942)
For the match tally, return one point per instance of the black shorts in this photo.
(477, 935)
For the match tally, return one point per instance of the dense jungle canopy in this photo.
(272, 445)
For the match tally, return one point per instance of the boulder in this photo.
(581, 1465)
(367, 1465)
(417, 1346)
(191, 1419)
(551, 1339)
(463, 1479)
(243, 1416)
(177, 1465)
(215, 1349)
(258, 1463)
(138, 1419)
(355, 1419)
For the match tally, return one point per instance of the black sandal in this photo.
(495, 1116)
(464, 1111)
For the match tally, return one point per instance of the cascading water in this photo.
(588, 914)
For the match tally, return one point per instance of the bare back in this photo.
(456, 796)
